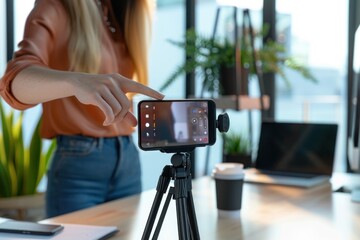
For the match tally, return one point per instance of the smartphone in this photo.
(176, 125)
(32, 228)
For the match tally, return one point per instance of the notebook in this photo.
(71, 231)
(295, 154)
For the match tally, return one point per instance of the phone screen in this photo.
(174, 123)
(29, 228)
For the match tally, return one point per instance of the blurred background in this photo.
(315, 32)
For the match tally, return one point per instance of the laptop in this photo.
(294, 154)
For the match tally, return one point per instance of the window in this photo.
(316, 33)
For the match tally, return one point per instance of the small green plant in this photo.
(21, 167)
(236, 144)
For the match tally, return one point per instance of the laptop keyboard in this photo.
(288, 174)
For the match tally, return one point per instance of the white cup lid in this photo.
(228, 171)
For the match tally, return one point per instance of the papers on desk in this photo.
(71, 231)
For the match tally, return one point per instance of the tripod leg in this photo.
(192, 217)
(181, 192)
(182, 218)
(163, 183)
(180, 196)
(163, 213)
(191, 211)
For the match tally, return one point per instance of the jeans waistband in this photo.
(99, 141)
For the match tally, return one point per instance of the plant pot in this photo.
(243, 159)
(229, 84)
(21, 204)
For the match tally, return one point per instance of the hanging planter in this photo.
(230, 85)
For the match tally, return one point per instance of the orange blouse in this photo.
(45, 44)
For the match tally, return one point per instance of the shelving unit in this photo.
(241, 102)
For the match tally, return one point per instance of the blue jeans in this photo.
(87, 171)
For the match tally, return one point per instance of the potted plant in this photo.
(237, 148)
(208, 57)
(22, 166)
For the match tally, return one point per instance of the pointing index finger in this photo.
(132, 86)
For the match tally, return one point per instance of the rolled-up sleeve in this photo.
(35, 48)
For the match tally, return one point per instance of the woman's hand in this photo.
(107, 91)
(37, 84)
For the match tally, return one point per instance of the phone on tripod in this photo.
(177, 126)
(172, 125)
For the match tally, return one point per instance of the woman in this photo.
(77, 58)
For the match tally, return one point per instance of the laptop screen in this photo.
(300, 148)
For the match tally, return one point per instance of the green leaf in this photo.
(34, 160)
(45, 159)
(236, 143)
(6, 133)
(21, 167)
(5, 181)
(19, 157)
(13, 179)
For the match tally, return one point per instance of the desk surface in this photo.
(268, 212)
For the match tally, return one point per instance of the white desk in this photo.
(268, 213)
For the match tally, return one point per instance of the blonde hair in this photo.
(137, 35)
(84, 43)
(85, 40)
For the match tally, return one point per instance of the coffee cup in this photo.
(229, 180)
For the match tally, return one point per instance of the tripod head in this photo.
(223, 122)
(180, 159)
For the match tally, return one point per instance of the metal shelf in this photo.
(242, 102)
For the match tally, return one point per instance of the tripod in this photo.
(179, 171)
